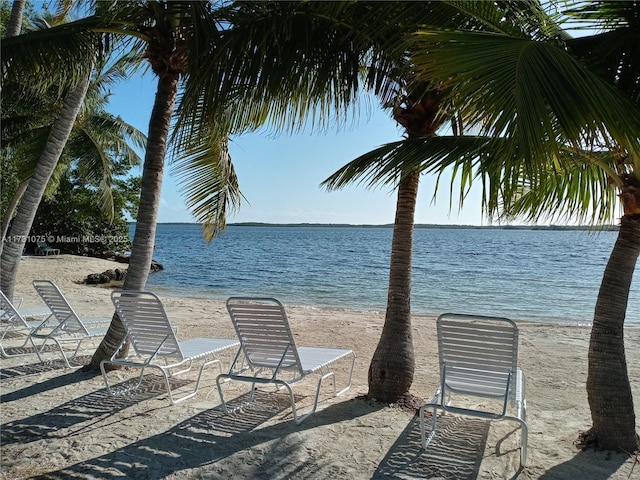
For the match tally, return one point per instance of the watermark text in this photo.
(67, 239)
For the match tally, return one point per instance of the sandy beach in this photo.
(61, 423)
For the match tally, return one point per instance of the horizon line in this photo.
(417, 225)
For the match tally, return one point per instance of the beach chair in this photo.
(64, 326)
(28, 313)
(43, 249)
(478, 358)
(153, 343)
(268, 353)
(14, 322)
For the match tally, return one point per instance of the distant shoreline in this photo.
(417, 225)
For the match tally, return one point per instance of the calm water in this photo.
(533, 275)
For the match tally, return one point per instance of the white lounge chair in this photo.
(267, 346)
(43, 249)
(478, 358)
(64, 325)
(30, 312)
(13, 322)
(154, 343)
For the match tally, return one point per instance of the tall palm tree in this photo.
(392, 367)
(43, 70)
(169, 33)
(418, 106)
(15, 20)
(607, 381)
(47, 162)
(165, 31)
(613, 54)
(305, 58)
(367, 35)
(272, 63)
(96, 142)
(181, 40)
(555, 137)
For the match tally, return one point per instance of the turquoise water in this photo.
(549, 276)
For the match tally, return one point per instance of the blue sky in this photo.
(280, 175)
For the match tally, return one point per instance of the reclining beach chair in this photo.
(64, 325)
(478, 358)
(28, 313)
(268, 353)
(154, 343)
(14, 323)
(43, 249)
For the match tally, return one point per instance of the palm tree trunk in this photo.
(393, 363)
(6, 219)
(608, 387)
(145, 234)
(15, 20)
(12, 251)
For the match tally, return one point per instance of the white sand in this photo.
(60, 423)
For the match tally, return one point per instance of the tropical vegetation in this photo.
(24, 75)
(101, 149)
(192, 49)
(557, 121)
(72, 221)
(555, 124)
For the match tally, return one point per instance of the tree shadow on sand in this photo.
(205, 440)
(84, 412)
(455, 453)
(67, 378)
(40, 367)
(217, 444)
(600, 465)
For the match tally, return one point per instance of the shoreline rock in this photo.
(117, 274)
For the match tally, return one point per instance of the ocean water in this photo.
(549, 276)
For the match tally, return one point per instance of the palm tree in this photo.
(305, 58)
(97, 141)
(558, 135)
(614, 56)
(168, 31)
(42, 71)
(29, 56)
(47, 162)
(179, 40)
(392, 366)
(165, 29)
(362, 36)
(15, 19)
(417, 106)
(297, 67)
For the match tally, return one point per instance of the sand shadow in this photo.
(68, 378)
(600, 465)
(455, 453)
(84, 413)
(40, 367)
(207, 439)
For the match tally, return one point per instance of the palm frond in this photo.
(579, 192)
(294, 65)
(614, 52)
(533, 93)
(58, 56)
(208, 180)
(98, 144)
(386, 164)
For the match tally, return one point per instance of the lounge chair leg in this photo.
(225, 378)
(433, 403)
(36, 349)
(426, 440)
(524, 442)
